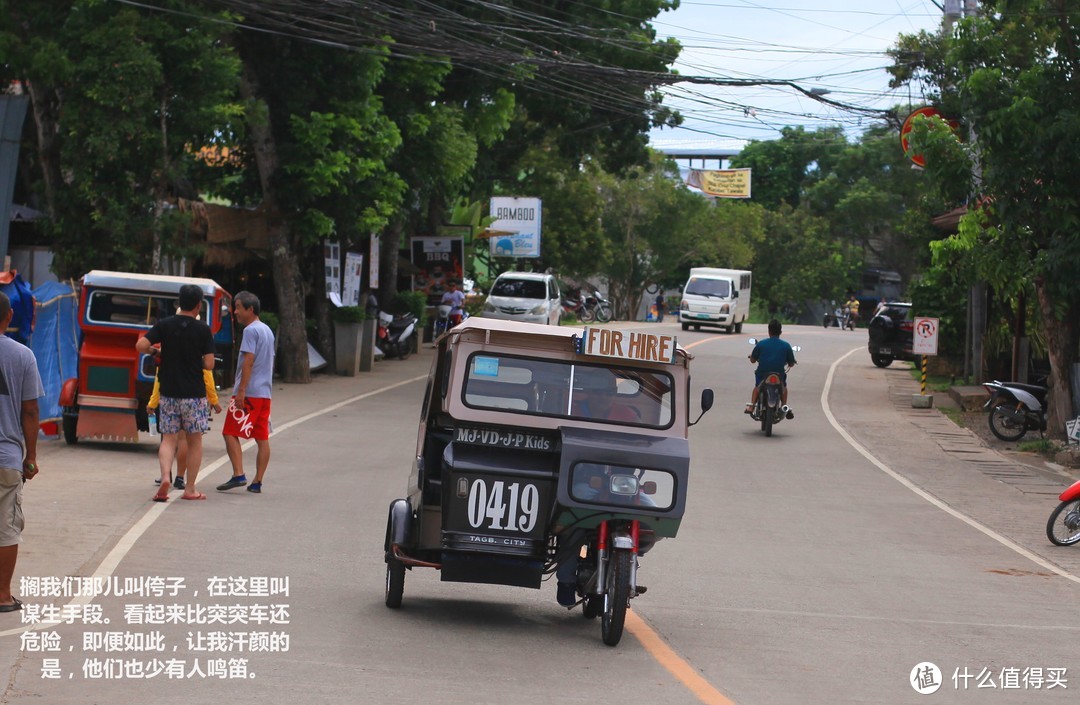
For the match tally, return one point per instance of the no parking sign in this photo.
(925, 335)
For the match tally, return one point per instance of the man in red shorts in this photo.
(248, 415)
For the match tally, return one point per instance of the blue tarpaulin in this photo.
(55, 342)
(22, 303)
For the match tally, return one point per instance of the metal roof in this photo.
(160, 283)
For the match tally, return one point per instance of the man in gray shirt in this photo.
(248, 415)
(20, 387)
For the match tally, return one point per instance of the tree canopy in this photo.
(1009, 74)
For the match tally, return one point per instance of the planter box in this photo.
(347, 346)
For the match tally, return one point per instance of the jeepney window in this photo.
(622, 485)
(133, 309)
(563, 388)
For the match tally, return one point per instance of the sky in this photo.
(830, 45)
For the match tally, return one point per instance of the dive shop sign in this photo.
(516, 229)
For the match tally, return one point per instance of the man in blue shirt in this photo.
(772, 355)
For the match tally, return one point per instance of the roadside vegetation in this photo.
(384, 124)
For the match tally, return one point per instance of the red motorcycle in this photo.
(1063, 527)
(574, 304)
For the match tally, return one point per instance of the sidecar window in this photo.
(566, 389)
(132, 308)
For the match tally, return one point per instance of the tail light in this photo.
(908, 326)
(773, 379)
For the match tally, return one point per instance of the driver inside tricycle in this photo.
(545, 450)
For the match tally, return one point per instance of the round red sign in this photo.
(928, 111)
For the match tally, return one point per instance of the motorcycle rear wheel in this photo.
(1070, 523)
(586, 314)
(616, 596)
(766, 421)
(1003, 426)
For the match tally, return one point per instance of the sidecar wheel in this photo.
(617, 596)
(395, 582)
(1067, 531)
(1003, 426)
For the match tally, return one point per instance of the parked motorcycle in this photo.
(573, 304)
(1015, 409)
(395, 334)
(1065, 532)
(600, 306)
(768, 409)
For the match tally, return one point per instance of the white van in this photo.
(715, 297)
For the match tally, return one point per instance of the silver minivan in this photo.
(525, 296)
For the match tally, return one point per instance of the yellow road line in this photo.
(675, 664)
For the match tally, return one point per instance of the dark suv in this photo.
(891, 334)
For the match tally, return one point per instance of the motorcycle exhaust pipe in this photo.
(1017, 415)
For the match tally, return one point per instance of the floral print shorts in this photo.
(191, 415)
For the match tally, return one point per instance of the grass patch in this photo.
(954, 415)
(935, 383)
(1042, 446)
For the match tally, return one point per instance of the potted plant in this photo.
(348, 329)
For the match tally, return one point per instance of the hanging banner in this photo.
(332, 256)
(373, 267)
(722, 183)
(354, 274)
(516, 229)
(438, 260)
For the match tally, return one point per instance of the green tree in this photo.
(783, 169)
(121, 99)
(655, 229)
(800, 261)
(1010, 73)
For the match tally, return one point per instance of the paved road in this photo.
(807, 570)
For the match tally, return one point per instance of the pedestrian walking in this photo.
(181, 444)
(20, 387)
(660, 304)
(185, 348)
(248, 415)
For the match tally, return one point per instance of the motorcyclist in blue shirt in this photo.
(772, 355)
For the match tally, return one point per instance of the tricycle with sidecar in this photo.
(108, 399)
(544, 449)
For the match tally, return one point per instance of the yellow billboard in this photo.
(722, 183)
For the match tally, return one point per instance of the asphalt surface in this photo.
(82, 509)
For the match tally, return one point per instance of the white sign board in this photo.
(628, 345)
(925, 335)
(1072, 430)
(332, 256)
(354, 273)
(516, 227)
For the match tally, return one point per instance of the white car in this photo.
(525, 296)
